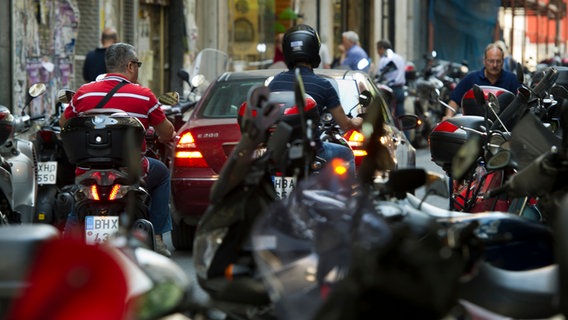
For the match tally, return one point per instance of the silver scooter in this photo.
(18, 164)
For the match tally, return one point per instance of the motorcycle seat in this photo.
(527, 294)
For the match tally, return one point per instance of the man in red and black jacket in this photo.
(137, 101)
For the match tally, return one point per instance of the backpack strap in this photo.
(110, 94)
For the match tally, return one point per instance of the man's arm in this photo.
(344, 122)
(450, 113)
(62, 120)
(165, 131)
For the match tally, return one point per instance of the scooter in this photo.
(102, 143)
(490, 130)
(222, 249)
(64, 278)
(18, 163)
(55, 172)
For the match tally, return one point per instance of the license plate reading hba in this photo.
(47, 172)
(283, 185)
(100, 228)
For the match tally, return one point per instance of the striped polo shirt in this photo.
(136, 100)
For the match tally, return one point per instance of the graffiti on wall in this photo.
(44, 36)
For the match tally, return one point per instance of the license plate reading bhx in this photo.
(100, 228)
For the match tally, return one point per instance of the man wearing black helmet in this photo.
(301, 46)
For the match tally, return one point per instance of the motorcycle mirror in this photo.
(405, 180)
(436, 184)
(559, 92)
(169, 98)
(466, 157)
(434, 95)
(184, 75)
(197, 80)
(365, 98)
(408, 121)
(65, 95)
(479, 95)
(493, 104)
(500, 160)
(37, 89)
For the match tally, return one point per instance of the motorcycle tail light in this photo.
(94, 193)
(47, 135)
(186, 153)
(98, 193)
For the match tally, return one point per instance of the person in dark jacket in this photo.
(492, 74)
(95, 59)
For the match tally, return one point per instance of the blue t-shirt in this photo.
(353, 56)
(317, 87)
(507, 80)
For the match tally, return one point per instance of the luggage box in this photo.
(449, 135)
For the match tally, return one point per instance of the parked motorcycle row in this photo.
(332, 247)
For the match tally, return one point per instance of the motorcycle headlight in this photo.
(205, 246)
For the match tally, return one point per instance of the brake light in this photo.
(355, 140)
(94, 193)
(47, 135)
(114, 192)
(186, 153)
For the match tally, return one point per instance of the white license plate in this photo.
(47, 172)
(283, 185)
(99, 229)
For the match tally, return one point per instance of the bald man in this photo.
(95, 59)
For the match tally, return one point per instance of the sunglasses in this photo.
(139, 63)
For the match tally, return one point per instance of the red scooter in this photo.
(485, 129)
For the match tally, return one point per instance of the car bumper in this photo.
(190, 198)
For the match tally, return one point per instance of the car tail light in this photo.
(355, 140)
(186, 153)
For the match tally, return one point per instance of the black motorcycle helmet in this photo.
(301, 43)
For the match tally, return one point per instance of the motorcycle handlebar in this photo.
(534, 180)
(519, 105)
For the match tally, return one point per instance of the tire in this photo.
(182, 236)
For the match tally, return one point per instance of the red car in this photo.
(206, 140)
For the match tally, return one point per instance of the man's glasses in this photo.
(494, 61)
(138, 63)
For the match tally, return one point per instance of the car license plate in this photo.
(100, 228)
(47, 172)
(283, 185)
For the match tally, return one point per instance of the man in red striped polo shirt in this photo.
(123, 66)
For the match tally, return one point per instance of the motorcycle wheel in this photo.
(182, 236)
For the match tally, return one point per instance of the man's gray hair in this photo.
(118, 55)
(351, 35)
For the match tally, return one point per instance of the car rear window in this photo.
(226, 97)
